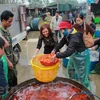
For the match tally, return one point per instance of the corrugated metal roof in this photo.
(71, 2)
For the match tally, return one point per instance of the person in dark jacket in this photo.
(92, 24)
(79, 26)
(48, 38)
(3, 82)
(79, 55)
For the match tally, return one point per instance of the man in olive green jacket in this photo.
(6, 21)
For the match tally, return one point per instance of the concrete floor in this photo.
(24, 69)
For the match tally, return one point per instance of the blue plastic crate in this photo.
(92, 64)
(99, 49)
(97, 33)
(65, 62)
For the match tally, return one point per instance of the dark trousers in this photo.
(58, 33)
(12, 77)
(0, 97)
(99, 56)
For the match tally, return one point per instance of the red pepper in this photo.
(47, 61)
(49, 92)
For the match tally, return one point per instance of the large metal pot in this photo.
(30, 82)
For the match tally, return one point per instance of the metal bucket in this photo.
(36, 23)
(58, 79)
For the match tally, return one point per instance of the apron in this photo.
(79, 63)
(5, 68)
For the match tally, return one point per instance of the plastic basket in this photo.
(44, 74)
